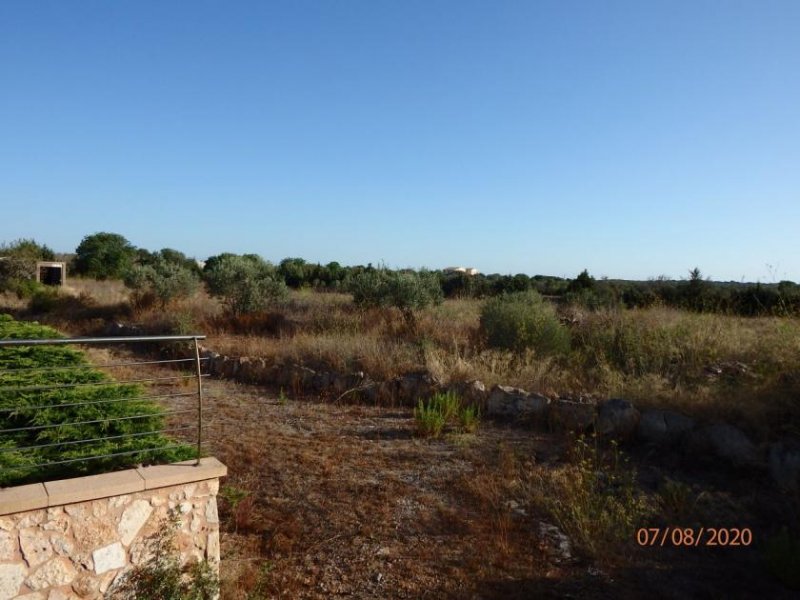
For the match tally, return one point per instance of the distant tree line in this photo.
(248, 282)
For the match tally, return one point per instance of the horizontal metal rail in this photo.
(61, 386)
(20, 406)
(99, 456)
(98, 439)
(102, 340)
(111, 401)
(153, 415)
(100, 366)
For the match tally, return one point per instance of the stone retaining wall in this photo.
(77, 538)
(615, 418)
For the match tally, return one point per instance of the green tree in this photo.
(245, 283)
(104, 256)
(18, 262)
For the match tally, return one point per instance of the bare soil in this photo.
(344, 501)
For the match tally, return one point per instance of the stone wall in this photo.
(77, 538)
(614, 418)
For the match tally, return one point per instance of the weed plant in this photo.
(441, 410)
(595, 499)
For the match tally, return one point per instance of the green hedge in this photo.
(20, 403)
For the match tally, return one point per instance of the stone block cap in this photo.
(94, 487)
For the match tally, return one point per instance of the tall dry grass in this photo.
(713, 366)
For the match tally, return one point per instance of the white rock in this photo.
(8, 545)
(35, 545)
(33, 596)
(134, 517)
(212, 549)
(211, 512)
(11, 578)
(185, 507)
(58, 571)
(109, 557)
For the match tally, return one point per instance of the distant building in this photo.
(465, 270)
(51, 272)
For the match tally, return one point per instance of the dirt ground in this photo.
(344, 501)
(333, 500)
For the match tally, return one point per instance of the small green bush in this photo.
(163, 577)
(595, 500)
(441, 410)
(523, 321)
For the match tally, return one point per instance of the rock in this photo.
(472, 393)
(555, 542)
(207, 365)
(134, 517)
(8, 546)
(54, 573)
(726, 442)
(414, 386)
(11, 578)
(300, 377)
(321, 381)
(109, 557)
(230, 367)
(211, 512)
(217, 364)
(617, 418)
(245, 372)
(663, 427)
(35, 545)
(784, 464)
(566, 415)
(212, 549)
(515, 403)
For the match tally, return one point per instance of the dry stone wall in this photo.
(614, 418)
(82, 550)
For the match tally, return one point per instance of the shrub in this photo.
(430, 419)
(18, 266)
(78, 403)
(407, 291)
(595, 500)
(245, 283)
(441, 410)
(165, 280)
(104, 256)
(523, 321)
(162, 575)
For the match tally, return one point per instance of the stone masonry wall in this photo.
(81, 550)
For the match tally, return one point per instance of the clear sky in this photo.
(631, 138)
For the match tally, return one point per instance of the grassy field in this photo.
(365, 501)
(744, 370)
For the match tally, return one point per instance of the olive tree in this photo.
(244, 283)
(165, 280)
(407, 291)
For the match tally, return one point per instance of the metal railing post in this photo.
(199, 401)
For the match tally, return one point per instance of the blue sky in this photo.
(631, 138)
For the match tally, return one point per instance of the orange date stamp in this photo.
(681, 537)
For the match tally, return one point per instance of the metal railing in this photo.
(32, 395)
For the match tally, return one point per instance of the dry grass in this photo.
(746, 370)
